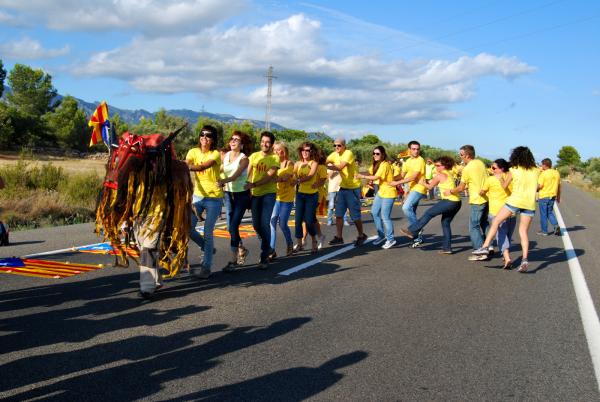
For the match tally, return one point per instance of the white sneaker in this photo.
(378, 241)
(388, 244)
(321, 241)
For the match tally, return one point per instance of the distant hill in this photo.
(134, 116)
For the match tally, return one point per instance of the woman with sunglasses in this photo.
(204, 162)
(321, 210)
(448, 206)
(382, 172)
(237, 200)
(284, 199)
(307, 194)
(497, 189)
(523, 174)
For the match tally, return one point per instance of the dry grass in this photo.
(69, 165)
(577, 179)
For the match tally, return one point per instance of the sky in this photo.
(494, 74)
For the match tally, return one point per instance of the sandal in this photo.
(508, 264)
(315, 247)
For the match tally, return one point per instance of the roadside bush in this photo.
(564, 171)
(82, 188)
(595, 178)
(46, 177)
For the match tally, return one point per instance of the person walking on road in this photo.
(497, 190)
(413, 169)
(381, 210)
(523, 175)
(307, 195)
(262, 173)
(237, 200)
(204, 162)
(448, 206)
(348, 197)
(549, 192)
(473, 177)
(284, 200)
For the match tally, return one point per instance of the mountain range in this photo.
(134, 116)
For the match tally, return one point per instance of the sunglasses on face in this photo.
(203, 135)
(307, 150)
(376, 153)
(234, 139)
(338, 145)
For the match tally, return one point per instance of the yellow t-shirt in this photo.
(448, 184)
(411, 166)
(396, 170)
(306, 187)
(496, 195)
(549, 179)
(286, 191)
(524, 188)
(386, 174)
(349, 180)
(205, 181)
(474, 175)
(261, 164)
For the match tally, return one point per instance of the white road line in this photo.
(64, 250)
(589, 317)
(322, 258)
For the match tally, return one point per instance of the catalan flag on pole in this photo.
(100, 124)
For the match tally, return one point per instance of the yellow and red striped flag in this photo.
(99, 122)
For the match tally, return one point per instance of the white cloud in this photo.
(29, 49)
(152, 17)
(311, 88)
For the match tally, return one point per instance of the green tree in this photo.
(568, 156)
(32, 91)
(369, 139)
(68, 124)
(2, 77)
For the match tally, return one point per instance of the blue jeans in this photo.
(505, 231)
(478, 223)
(381, 210)
(547, 213)
(331, 207)
(262, 209)
(448, 210)
(212, 206)
(236, 205)
(306, 210)
(410, 206)
(348, 199)
(281, 214)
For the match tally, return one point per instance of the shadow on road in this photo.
(156, 360)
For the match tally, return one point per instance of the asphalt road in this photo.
(369, 324)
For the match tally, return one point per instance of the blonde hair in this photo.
(285, 148)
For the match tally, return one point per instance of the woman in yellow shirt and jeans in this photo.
(448, 206)
(307, 195)
(497, 190)
(204, 163)
(284, 199)
(523, 175)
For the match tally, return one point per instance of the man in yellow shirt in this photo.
(473, 177)
(549, 191)
(348, 197)
(262, 172)
(413, 170)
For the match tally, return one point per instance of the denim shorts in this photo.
(526, 212)
(348, 199)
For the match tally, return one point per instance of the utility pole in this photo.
(269, 86)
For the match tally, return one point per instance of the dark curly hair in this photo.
(502, 164)
(445, 161)
(522, 157)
